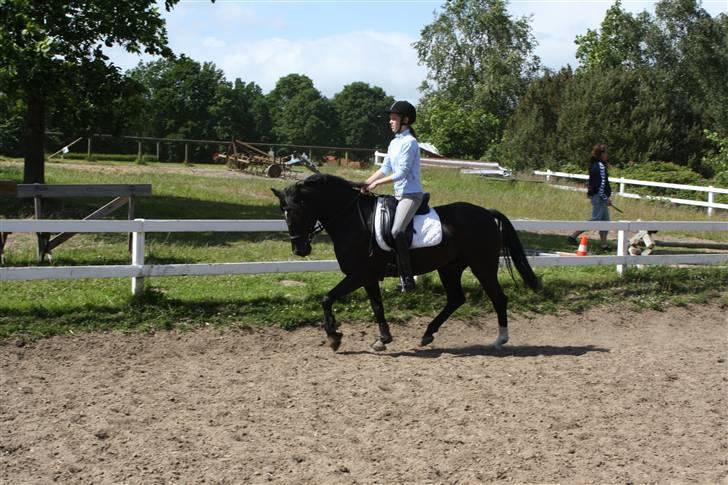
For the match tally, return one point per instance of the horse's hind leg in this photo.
(488, 278)
(375, 299)
(451, 280)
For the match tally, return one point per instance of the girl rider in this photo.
(401, 167)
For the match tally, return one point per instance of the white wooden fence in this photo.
(710, 203)
(138, 270)
(467, 166)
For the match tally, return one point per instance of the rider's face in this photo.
(395, 122)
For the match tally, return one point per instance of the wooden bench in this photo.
(123, 195)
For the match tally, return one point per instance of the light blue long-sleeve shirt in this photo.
(403, 162)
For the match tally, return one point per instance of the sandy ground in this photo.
(610, 396)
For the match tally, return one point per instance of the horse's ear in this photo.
(278, 194)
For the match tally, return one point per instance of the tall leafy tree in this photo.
(461, 130)
(647, 85)
(361, 111)
(619, 41)
(477, 55)
(180, 96)
(300, 114)
(530, 139)
(45, 46)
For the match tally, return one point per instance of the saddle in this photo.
(387, 206)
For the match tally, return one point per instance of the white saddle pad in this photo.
(428, 230)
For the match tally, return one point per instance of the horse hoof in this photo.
(427, 340)
(386, 339)
(335, 340)
(379, 346)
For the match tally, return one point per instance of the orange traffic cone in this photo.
(582, 246)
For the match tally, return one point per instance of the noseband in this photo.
(318, 227)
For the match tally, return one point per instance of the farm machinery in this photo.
(247, 158)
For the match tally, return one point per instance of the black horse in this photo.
(472, 237)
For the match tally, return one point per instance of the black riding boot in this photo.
(404, 267)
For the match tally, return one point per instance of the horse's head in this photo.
(302, 223)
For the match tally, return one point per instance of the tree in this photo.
(530, 139)
(361, 110)
(301, 115)
(457, 130)
(681, 54)
(179, 96)
(619, 41)
(245, 113)
(477, 56)
(475, 51)
(45, 45)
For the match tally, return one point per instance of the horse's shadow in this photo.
(490, 351)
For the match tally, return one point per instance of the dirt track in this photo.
(608, 396)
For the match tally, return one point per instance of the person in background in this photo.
(599, 191)
(401, 167)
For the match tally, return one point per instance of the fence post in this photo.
(621, 188)
(710, 201)
(622, 242)
(548, 174)
(137, 258)
(187, 152)
(139, 151)
(88, 148)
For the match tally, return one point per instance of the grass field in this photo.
(212, 192)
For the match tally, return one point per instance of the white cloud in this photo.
(213, 42)
(386, 60)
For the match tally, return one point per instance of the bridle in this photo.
(318, 226)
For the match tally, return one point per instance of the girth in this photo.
(387, 205)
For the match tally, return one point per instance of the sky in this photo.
(337, 42)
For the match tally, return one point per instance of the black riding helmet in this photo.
(404, 109)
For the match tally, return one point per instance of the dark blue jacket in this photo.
(596, 183)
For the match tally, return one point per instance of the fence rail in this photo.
(138, 270)
(710, 204)
(469, 166)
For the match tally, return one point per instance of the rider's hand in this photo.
(609, 201)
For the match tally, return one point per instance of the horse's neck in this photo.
(338, 212)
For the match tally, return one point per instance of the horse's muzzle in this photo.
(301, 249)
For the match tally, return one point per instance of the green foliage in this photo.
(717, 162)
(480, 59)
(647, 87)
(618, 42)
(301, 115)
(361, 110)
(531, 138)
(457, 129)
(48, 47)
(187, 100)
(662, 172)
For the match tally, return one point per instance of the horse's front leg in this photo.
(375, 299)
(345, 286)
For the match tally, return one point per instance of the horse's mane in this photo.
(318, 180)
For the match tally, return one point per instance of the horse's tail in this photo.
(513, 250)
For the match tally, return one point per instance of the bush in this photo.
(720, 180)
(661, 172)
(717, 162)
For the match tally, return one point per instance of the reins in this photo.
(318, 226)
